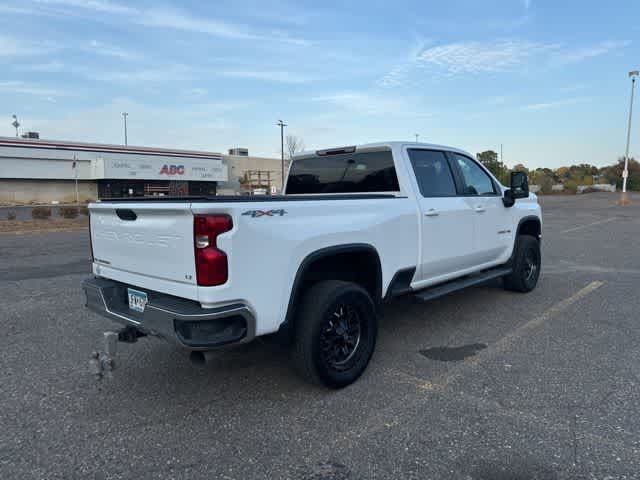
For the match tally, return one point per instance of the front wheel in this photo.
(335, 333)
(527, 261)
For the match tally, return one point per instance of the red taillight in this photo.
(211, 263)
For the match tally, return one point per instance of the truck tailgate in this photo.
(149, 239)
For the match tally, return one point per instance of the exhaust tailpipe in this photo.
(200, 358)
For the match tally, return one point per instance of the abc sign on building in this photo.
(172, 170)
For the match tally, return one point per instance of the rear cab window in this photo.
(357, 172)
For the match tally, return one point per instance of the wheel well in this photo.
(531, 227)
(357, 264)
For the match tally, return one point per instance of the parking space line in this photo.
(441, 382)
(599, 222)
(502, 344)
(565, 267)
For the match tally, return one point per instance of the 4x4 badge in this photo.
(264, 213)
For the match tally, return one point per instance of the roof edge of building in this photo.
(62, 144)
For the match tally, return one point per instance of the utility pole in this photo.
(417, 135)
(15, 124)
(124, 115)
(75, 174)
(501, 159)
(625, 172)
(281, 124)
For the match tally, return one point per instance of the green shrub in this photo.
(11, 216)
(40, 213)
(571, 186)
(545, 184)
(68, 212)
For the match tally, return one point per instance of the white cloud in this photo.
(170, 73)
(166, 17)
(13, 10)
(497, 100)
(556, 103)
(479, 57)
(171, 18)
(102, 6)
(466, 58)
(396, 76)
(22, 88)
(111, 51)
(195, 93)
(175, 19)
(371, 103)
(267, 75)
(13, 47)
(493, 57)
(49, 67)
(602, 48)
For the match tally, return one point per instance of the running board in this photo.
(443, 289)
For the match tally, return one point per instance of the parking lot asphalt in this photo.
(549, 387)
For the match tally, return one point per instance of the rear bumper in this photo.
(178, 320)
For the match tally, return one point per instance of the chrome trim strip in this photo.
(239, 309)
(115, 314)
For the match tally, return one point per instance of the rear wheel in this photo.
(527, 261)
(335, 333)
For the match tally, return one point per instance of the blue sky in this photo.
(547, 79)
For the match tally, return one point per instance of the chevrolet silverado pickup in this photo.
(355, 226)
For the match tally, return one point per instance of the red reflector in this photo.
(211, 263)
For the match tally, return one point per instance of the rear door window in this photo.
(358, 172)
(433, 173)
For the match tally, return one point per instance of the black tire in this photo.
(326, 351)
(527, 261)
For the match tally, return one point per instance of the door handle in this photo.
(479, 209)
(432, 212)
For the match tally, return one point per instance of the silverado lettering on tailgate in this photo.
(162, 241)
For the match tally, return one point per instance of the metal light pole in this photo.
(124, 115)
(75, 174)
(15, 124)
(625, 172)
(281, 124)
(417, 135)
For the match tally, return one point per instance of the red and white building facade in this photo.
(34, 170)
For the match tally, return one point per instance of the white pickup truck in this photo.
(356, 226)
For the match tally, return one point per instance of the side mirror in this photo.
(519, 185)
(519, 188)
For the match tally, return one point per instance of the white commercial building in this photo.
(34, 170)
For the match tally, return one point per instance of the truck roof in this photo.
(375, 145)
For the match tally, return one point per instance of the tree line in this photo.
(570, 177)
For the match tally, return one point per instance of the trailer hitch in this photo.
(102, 364)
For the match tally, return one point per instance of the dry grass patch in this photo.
(52, 224)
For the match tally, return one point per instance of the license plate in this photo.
(137, 300)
